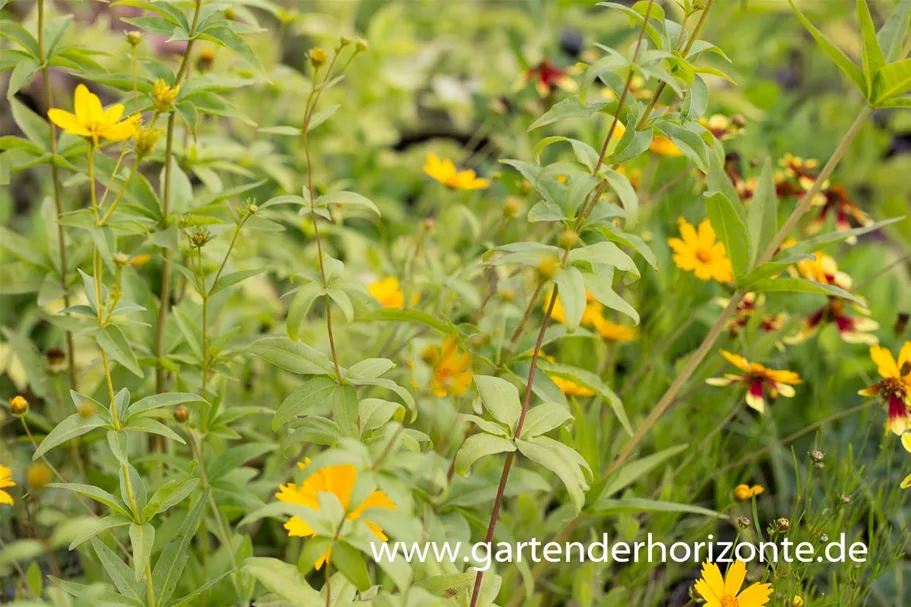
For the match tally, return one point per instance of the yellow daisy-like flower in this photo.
(451, 368)
(758, 379)
(696, 251)
(339, 481)
(90, 119)
(725, 592)
(6, 480)
(446, 173)
(571, 388)
(387, 292)
(895, 387)
(824, 269)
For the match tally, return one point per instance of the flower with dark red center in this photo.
(547, 77)
(851, 329)
(895, 387)
(758, 380)
(847, 214)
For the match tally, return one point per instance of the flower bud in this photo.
(816, 455)
(37, 476)
(164, 95)
(547, 269)
(87, 409)
(744, 522)
(205, 60)
(797, 602)
(181, 414)
(199, 238)
(429, 224)
(121, 258)
(146, 140)
(344, 40)
(18, 405)
(508, 294)
(512, 207)
(318, 57)
(230, 14)
(133, 37)
(479, 341)
(430, 355)
(568, 239)
(783, 524)
(361, 45)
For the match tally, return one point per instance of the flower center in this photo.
(703, 255)
(894, 386)
(729, 601)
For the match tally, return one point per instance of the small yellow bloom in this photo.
(725, 592)
(571, 388)
(612, 331)
(758, 380)
(338, 480)
(699, 253)
(797, 601)
(895, 387)
(757, 489)
(164, 95)
(593, 316)
(6, 480)
(446, 173)
(18, 405)
(388, 292)
(37, 476)
(91, 120)
(451, 368)
(742, 493)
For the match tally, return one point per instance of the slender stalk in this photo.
(510, 457)
(668, 398)
(58, 194)
(521, 327)
(165, 293)
(150, 587)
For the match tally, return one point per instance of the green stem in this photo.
(165, 293)
(58, 194)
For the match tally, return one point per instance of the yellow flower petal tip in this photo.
(89, 119)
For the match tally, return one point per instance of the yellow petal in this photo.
(738, 361)
(904, 356)
(734, 576)
(112, 114)
(87, 106)
(6, 498)
(885, 364)
(756, 595)
(714, 583)
(68, 122)
(906, 442)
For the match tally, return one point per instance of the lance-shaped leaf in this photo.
(835, 54)
(728, 224)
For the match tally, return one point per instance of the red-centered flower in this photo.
(847, 214)
(547, 77)
(758, 380)
(851, 329)
(895, 387)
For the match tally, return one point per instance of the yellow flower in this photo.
(91, 120)
(18, 405)
(757, 489)
(758, 379)
(612, 331)
(339, 481)
(387, 292)
(742, 493)
(571, 388)
(698, 252)
(824, 269)
(446, 173)
(6, 480)
(451, 373)
(797, 601)
(906, 443)
(895, 387)
(164, 95)
(725, 592)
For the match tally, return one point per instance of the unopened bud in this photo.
(512, 207)
(181, 414)
(18, 405)
(361, 45)
(816, 455)
(568, 239)
(547, 269)
(507, 294)
(133, 38)
(318, 57)
(87, 409)
(344, 40)
(37, 476)
(744, 522)
(164, 95)
(121, 259)
(783, 524)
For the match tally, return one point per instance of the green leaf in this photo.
(114, 342)
(157, 401)
(872, 56)
(500, 398)
(142, 538)
(226, 37)
(284, 580)
(34, 126)
(371, 368)
(762, 216)
(636, 469)
(310, 398)
(321, 116)
(892, 35)
(731, 230)
(89, 531)
(480, 445)
(638, 505)
(571, 289)
(119, 572)
(591, 381)
(625, 191)
(565, 462)
(170, 494)
(568, 108)
(20, 76)
(300, 307)
(799, 285)
(233, 278)
(604, 253)
(292, 356)
(350, 562)
(173, 558)
(892, 80)
(286, 131)
(835, 54)
(544, 418)
(601, 288)
(72, 427)
(344, 406)
(632, 144)
(415, 316)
